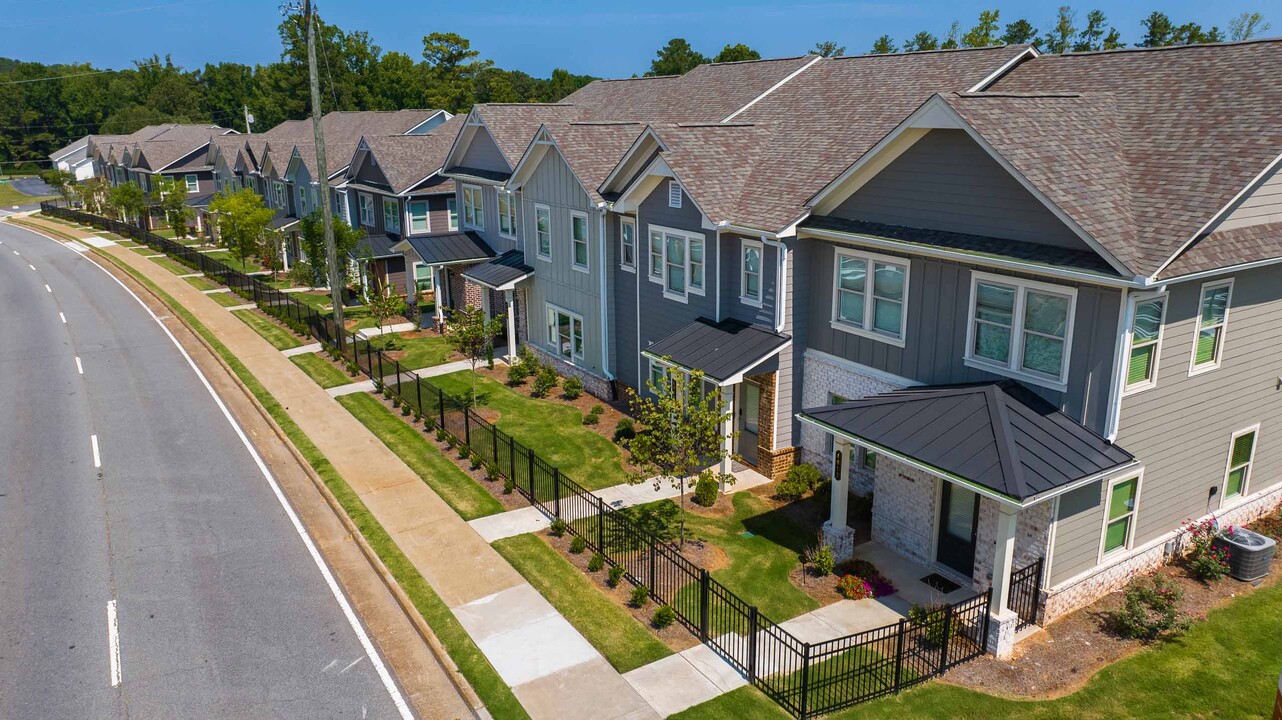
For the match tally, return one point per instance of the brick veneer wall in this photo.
(903, 510)
(772, 463)
(1032, 537)
(823, 379)
(594, 385)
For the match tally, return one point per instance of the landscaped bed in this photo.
(273, 332)
(321, 370)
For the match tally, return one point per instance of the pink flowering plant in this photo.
(1206, 561)
(1150, 610)
(854, 588)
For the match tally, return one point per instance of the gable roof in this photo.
(407, 160)
(512, 125)
(1195, 124)
(590, 149)
(1225, 248)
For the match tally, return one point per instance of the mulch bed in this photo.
(1065, 655)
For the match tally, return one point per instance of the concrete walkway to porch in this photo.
(529, 519)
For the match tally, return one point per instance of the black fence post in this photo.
(600, 526)
(804, 710)
(704, 590)
(399, 393)
(556, 493)
(988, 616)
(440, 405)
(753, 622)
(529, 456)
(653, 554)
(948, 629)
(899, 655)
(467, 426)
(511, 457)
(494, 443)
(418, 391)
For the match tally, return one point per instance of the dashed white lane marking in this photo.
(113, 642)
(15, 252)
(48, 289)
(64, 318)
(79, 368)
(33, 267)
(97, 459)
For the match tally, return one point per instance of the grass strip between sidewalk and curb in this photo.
(321, 370)
(227, 299)
(459, 491)
(624, 642)
(484, 680)
(272, 332)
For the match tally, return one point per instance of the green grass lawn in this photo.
(321, 370)
(173, 266)
(1224, 667)
(224, 256)
(624, 642)
(553, 430)
(277, 335)
(10, 197)
(318, 300)
(423, 352)
(228, 299)
(203, 283)
(457, 489)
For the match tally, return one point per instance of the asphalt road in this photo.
(222, 610)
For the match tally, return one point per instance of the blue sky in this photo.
(598, 38)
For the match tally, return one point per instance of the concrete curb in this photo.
(406, 604)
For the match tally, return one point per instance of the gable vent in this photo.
(674, 194)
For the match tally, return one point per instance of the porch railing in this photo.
(806, 679)
(1025, 592)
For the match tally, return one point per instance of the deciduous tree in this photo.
(736, 53)
(171, 197)
(985, 31)
(472, 335)
(676, 58)
(920, 42)
(883, 46)
(243, 221)
(127, 201)
(829, 48)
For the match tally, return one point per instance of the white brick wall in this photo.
(1032, 537)
(903, 510)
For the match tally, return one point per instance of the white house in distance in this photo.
(74, 158)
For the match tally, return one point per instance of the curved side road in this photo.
(125, 486)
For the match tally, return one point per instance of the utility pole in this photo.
(322, 172)
(249, 121)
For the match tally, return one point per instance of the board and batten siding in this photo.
(556, 282)
(483, 154)
(1181, 429)
(945, 181)
(1261, 206)
(623, 308)
(936, 328)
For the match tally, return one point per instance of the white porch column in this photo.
(836, 534)
(438, 294)
(727, 396)
(1001, 628)
(510, 296)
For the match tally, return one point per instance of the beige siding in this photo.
(483, 154)
(1181, 429)
(1261, 206)
(1077, 532)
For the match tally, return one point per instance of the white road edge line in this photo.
(366, 643)
(80, 369)
(33, 267)
(48, 289)
(113, 642)
(64, 318)
(97, 459)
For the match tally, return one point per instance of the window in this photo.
(340, 200)
(302, 202)
(679, 258)
(451, 206)
(543, 231)
(193, 183)
(868, 459)
(1119, 523)
(1208, 343)
(279, 190)
(422, 277)
(1022, 328)
(870, 295)
(674, 194)
(750, 282)
(1241, 457)
(628, 243)
(366, 206)
(579, 238)
(420, 222)
(565, 333)
(1146, 343)
(391, 215)
(658, 374)
(473, 208)
(507, 214)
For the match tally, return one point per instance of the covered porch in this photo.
(447, 255)
(740, 360)
(501, 276)
(964, 482)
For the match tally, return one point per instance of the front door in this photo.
(749, 417)
(958, 520)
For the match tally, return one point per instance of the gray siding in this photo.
(483, 154)
(1077, 532)
(1261, 206)
(1180, 430)
(936, 326)
(947, 182)
(623, 310)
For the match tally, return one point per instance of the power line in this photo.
(213, 116)
(73, 75)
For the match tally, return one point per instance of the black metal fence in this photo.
(1025, 593)
(806, 679)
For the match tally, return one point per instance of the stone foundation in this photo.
(841, 540)
(593, 384)
(1001, 634)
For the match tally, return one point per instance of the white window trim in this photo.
(279, 195)
(554, 340)
(365, 201)
(413, 278)
(538, 251)
(869, 306)
(675, 185)
(1157, 345)
(744, 244)
(587, 242)
(1197, 328)
(191, 180)
(1225, 500)
(452, 219)
(1012, 369)
(632, 223)
(468, 191)
(655, 277)
(662, 277)
(409, 216)
(387, 215)
(1138, 476)
(509, 197)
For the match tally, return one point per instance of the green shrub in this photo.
(517, 373)
(396, 401)
(449, 439)
(705, 489)
(663, 616)
(1149, 610)
(800, 479)
(930, 617)
(578, 544)
(557, 528)
(429, 423)
(378, 387)
(624, 430)
(441, 435)
(406, 409)
(509, 485)
(594, 415)
(491, 471)
(387, 392)
(640, 596)
(474, 461)
(825, 561)
(616, 575)
(596, 562)
(572, 388)
(544, 381)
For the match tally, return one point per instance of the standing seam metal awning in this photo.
(501, 273)
(724, 350)
(447, 248)
(997, 436)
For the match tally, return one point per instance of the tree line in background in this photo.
(38, 116)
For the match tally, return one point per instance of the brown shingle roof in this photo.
(592, 149)
(1196, 125)
(1224, 248)
(715, 161)
(512, 125)
(405, 160)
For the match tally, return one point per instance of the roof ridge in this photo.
(1008, 451)
(758, 60)
(1030, 94)
(931, 52)
(1114, 51)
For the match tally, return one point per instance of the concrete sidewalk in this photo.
(560, 675)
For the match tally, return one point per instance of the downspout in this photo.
(637, 305)
(605, 301)
(1125, 316)
(717, 297)
(781, 269)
